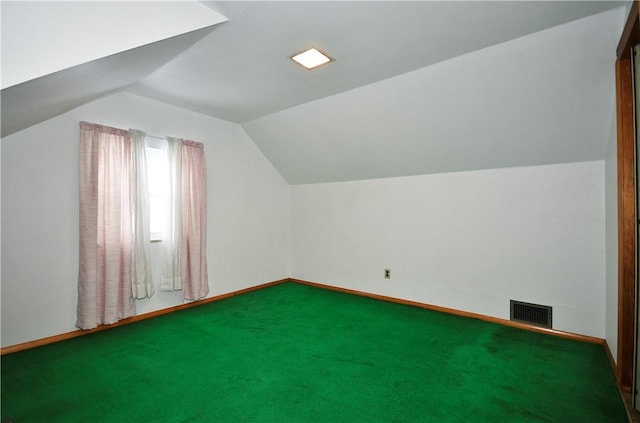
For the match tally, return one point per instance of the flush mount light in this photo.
(311, 58)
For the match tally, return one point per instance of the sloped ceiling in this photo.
(37, 100)
(242, 72)
(541, 99)
(43, 37)
(58, 55)
(416, 87)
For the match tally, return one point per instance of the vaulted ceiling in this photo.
(416, 87)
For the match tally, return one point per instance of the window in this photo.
(114, 252)
(158, 179)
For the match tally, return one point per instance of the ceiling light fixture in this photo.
(311, 58)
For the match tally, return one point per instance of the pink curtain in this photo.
(193, 242)
(106, 233)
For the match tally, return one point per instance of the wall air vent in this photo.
(535, 314)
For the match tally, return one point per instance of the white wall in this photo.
(469, 240)
(611, 240)
(248, 212)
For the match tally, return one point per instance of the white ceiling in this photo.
(89, 30)
(37, 100)
(242, 71)
(544, 98)
(417, 87)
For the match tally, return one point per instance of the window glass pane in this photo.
(158, 175)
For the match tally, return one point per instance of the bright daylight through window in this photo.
(158, 178)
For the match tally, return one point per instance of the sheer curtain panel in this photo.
(193, 242)
(142, 280)
(171, 273)
(106, 233)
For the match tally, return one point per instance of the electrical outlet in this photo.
(387, 273)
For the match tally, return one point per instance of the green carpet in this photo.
(295, 353)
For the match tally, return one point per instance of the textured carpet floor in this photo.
(295, 353)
